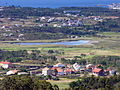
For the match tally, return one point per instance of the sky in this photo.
(55, 3)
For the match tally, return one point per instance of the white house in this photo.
(12, 72)
(5, 65)
(76, 66)
(23, 73)
(46, 71)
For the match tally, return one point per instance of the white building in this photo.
(12, 72)
(5, 65)
(46, 71)
(76, 66)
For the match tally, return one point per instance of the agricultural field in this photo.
(62, 83)
(97, 46)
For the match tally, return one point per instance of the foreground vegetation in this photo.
(25, 83)
(97, 83)
(85, 83)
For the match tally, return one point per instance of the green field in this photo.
(99, 46)
(62, 83)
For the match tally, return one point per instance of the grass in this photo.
(54, 40)
(62, 83)
(105, 46)
(113, 34)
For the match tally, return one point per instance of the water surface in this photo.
(57, 3)
(79, 42)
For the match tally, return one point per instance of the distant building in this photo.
(112, 72)
(98, 72)
(5, 65)
(60, 71)
(76, 66)
(90, 66)
(59, 65)
(23, 73)
(46, 71)
(68, 71)
(12, 72)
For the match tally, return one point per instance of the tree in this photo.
(25, 83)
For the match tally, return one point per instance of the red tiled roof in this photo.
(5, 62)
(60, 70)
(68, 70)
(57, 68)
(96, 70)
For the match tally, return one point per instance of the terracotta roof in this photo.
(53, 68)
(60, 70)
(96, 70)
(68, 70)
(5, 62)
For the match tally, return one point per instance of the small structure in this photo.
(90, 66)
(23, 73)
(59, 65)
(12, 72)
(60, 71)
(68, 71)
(5, 65)
(46, 71)
(112, 72)
(98, 72)
(76, 66)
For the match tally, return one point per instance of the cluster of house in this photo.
(59, 21)
(9, 32)
(68, 21)
(11, 71)
(61, 69)
(114, 6)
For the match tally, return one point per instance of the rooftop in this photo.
(5, 62)
(96, 70)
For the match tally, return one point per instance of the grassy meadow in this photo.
(108, 45)
(62, 83)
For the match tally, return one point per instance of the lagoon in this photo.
(79, 42)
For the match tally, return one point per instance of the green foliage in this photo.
(23, 12)
(106, 60)
(96, 83)
(112, 25)
(13, 56)
(69, 61)
(25, 83)
(18, 56)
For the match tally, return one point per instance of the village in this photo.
(56, 71)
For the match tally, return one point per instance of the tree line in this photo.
(25, 83)
(96, 83)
